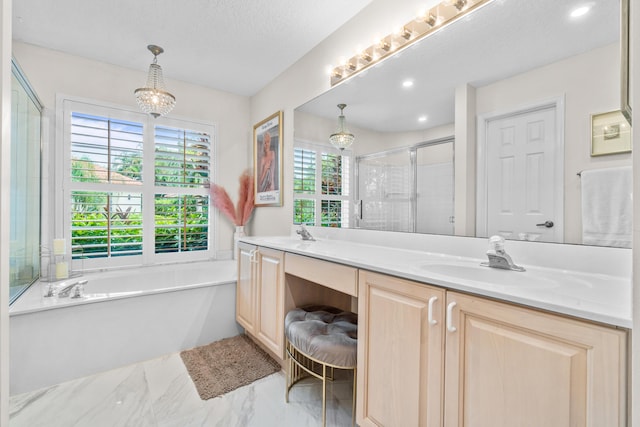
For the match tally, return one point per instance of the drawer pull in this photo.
(432, 321)
(450, 326)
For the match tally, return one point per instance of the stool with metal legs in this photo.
(319, 340)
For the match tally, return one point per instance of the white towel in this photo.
(607, 214)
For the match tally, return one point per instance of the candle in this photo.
(59, 247)
(62, 270)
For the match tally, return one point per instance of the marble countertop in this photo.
(597, 297)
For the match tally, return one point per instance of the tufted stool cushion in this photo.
(324, 333)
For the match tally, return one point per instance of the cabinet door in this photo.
(511, 366)
(245, 288)
(270, 300)
(400, 361)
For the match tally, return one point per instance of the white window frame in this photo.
(65, 105)
(320, 148)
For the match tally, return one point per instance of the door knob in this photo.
(547, 224)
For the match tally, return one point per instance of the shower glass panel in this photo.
(385, 191)
(24, 229)
(409, 189)
(434, 188)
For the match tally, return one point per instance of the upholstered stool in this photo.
(320, 337)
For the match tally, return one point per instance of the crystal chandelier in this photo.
(342, 139)
(154, 98)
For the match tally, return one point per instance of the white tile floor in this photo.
(160, 393)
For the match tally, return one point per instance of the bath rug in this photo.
(225, 365)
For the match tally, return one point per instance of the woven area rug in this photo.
(225, 365)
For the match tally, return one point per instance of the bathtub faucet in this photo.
(74, 290)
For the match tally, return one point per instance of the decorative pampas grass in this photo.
(240, 214)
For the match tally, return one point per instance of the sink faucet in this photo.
(304, 233)
(498, 257)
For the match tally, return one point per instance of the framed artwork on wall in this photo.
(610, 134)
(267, 160)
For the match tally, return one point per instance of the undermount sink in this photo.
(467, 271)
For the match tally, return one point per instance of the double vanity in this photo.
(444, 340)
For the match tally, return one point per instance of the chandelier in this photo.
(342, 139)
(154, 98)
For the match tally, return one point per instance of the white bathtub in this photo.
(126, 316)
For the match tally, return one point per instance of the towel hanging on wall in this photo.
(607, 215)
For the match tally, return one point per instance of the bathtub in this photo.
(125, 316)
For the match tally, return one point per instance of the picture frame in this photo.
(610, 134)
(267, 161)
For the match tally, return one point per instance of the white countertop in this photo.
(601, 298)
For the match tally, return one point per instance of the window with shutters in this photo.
(138, 187)
(320, 186)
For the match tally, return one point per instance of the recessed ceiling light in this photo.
(579, 11)
(422, 118)
(407, 83)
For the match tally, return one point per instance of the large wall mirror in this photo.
(514, 87)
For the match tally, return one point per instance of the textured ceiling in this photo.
(233, 45)
(502, 39)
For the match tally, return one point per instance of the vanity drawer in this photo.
(331, 275)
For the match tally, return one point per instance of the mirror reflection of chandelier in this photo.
(154, 98)
(343, 138)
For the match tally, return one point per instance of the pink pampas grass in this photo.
(240, 214)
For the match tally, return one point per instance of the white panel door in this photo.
(521, 177)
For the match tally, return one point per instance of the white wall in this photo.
(51, 72)
(315, 129)
(590, 84)
(311, 128)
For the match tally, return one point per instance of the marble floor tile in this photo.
(160, 393)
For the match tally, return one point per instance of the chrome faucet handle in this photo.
(497, 243)
(304, 233)
(50, 291)
(78, 289)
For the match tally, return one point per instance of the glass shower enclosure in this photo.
(409, 189)
(24, 229)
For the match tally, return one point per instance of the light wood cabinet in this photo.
(511, 366)
(269, 327)
(246, 287)
(486, 363)
(260, 295)
(400, 357)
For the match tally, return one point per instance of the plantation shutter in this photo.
(105, 150)
(182, 157)
(182, 167)
(105, 153)
(304, 171)
(105, 224)
(320, 187)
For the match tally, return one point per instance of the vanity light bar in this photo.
(438, 17)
